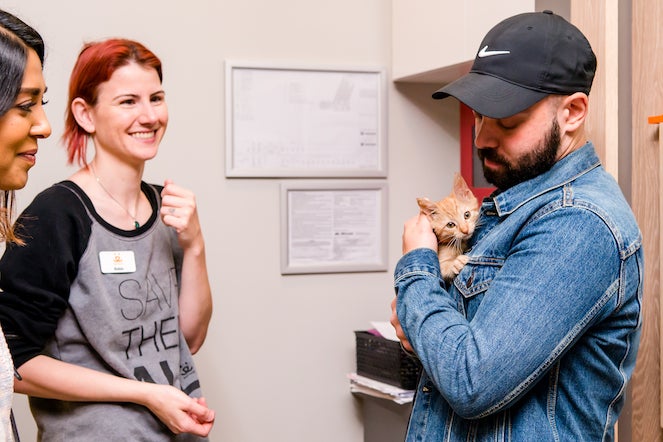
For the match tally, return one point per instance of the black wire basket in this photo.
(384, 360)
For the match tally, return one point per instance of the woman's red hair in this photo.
(95, 65)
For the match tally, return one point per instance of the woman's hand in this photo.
(178, 210)
(179, 412)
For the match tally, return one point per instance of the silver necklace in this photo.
(133, 217)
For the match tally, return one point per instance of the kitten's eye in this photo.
(451, 224)
(467, 214)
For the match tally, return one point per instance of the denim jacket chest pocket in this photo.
(473, 281)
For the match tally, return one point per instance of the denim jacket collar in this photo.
(565, 170)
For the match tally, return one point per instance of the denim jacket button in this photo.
(425, 389)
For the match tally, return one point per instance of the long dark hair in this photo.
(16, 39)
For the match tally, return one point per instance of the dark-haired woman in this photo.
(22, 123)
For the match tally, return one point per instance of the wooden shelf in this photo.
(439, 76)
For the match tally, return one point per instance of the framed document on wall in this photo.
(333, 226)
(284, 121)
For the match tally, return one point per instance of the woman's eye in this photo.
(26, 107)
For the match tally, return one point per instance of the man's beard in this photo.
(532, 164)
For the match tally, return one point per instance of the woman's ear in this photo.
(81, 112)
(574, 110)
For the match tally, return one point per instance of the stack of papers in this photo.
(385, 329)
(371, 387)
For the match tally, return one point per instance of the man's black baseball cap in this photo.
(522, 60)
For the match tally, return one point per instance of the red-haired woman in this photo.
(109, 297)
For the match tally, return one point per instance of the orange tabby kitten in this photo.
(453, 220)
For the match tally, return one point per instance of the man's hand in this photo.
(399, 330)
(418, 233)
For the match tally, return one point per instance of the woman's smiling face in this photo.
(130, 116)
(22, 126)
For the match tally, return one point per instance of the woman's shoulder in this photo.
(56, 216)
(60, 195)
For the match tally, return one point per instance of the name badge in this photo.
(117, 262)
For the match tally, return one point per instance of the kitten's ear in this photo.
(426, 205)
(461, 189)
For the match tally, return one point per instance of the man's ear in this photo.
(573, 111)
(81, 112)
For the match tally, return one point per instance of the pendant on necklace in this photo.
(136, 224)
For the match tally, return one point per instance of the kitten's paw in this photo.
(450, 269)
(459, 263)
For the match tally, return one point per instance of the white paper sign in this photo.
(340, 228)
(304, 122)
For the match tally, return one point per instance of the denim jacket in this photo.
(536, 338)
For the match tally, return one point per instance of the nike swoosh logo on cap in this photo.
(484, 52)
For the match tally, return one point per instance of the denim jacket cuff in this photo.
(419, 261)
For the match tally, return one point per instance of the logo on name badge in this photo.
(122, 261)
